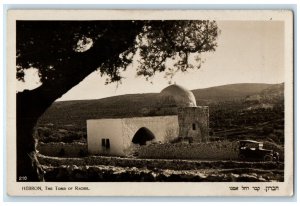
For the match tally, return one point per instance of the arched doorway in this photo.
(142, 136)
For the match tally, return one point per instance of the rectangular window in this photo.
(105, 143)
(194, 126)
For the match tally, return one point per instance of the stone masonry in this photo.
(194, 122)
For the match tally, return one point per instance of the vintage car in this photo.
(253, 150)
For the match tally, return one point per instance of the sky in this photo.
(247, 52)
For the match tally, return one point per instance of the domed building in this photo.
(175, 95)
(192, 119)
(176, 115)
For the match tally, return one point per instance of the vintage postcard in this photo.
(150, 103)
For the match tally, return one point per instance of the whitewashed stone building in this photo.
(186, 119)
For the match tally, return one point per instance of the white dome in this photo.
(177, 95)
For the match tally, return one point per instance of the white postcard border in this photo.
(156, 188)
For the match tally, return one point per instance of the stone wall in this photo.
(60, 149)
(201, 151)
(102, 173)
(194, 122)
(174, 164)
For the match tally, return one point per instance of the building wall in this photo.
(108, 129)
(121, 131)
(164, 128)
(194, 122)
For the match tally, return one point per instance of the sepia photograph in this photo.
(148, 99)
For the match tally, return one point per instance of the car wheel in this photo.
(268, 158)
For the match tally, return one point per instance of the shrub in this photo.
(47, 135)
(43, 132)
(267, 130)
(62, 152)
(82, 153)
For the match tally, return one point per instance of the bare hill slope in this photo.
(75, 113)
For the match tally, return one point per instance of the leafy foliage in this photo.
(56, 48)
(177, 41)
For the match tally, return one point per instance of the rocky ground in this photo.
(114, 169)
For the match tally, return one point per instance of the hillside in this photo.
(73, 114)
(273, 92)
(229, 92)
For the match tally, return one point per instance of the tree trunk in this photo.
(29, 108)
(32, 104)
